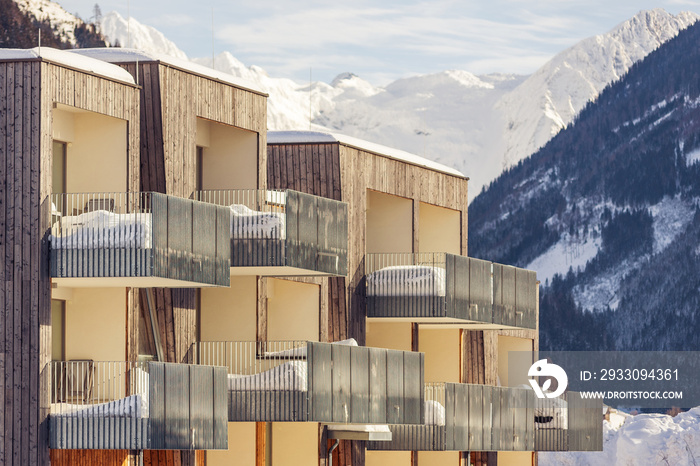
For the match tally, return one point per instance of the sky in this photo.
(380, 41)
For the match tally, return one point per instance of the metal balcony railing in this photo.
(320, 382)
(130, 235)
(466, 417)
(440, 287)
(305, 234)
(136, 405)
(569, 423)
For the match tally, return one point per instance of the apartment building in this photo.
(180, 287)
(412, 287)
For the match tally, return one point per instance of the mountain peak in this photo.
(347, 76)
(132, 34)
(550, 99)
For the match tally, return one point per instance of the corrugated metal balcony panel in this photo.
(287, 232)
(320, 382)
(577, 425)
(135, 406)
(465, 417)
(137, 239)
(441, 288)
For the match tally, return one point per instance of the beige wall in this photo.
(229, 314)
(95, 324)
(442, 458)
(97, 158)
(293, 310)
(241, 446)
(230, 158)
(389, 223)
(391, 335)
(441, 349)
(514, 458)
(294, 443)
(506, 344)
(439, 229)
(388, 458)
(63, 126)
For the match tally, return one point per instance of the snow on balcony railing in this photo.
(136, 405)
(138, 235)
(311, 381)
(284, 228)
(446, 286)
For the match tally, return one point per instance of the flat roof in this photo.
(121, 55)
(319, 137)
(70, 60)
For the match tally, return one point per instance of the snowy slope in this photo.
(549, 99)
(138, 36)
(644, 439)
(62, 22)
(476, 124)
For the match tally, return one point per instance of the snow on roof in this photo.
(316, 137)
(70, 60)
(120, 55)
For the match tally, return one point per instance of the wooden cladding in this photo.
(312, 169)
(171, 102)
(28, 92)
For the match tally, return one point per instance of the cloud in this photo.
(173, 20)
(396, 33)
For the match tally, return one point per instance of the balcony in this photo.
(284, 233)
(464, 417)
(569, 423)
(137, 406)
(319, 382)
(446, 289)
(137, 239)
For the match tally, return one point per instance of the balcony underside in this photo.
(131, 282)
(444, 312)
(276, 271)
(445, 323)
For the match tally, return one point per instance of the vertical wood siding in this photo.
(28, 90)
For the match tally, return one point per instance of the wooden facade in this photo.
(343, 172)
(29, 90)
(171, 100)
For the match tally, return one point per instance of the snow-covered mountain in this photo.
(135, 35)
(549, 99)
(60, 28)
(476, 124)
(608, 213)
(62, 22)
